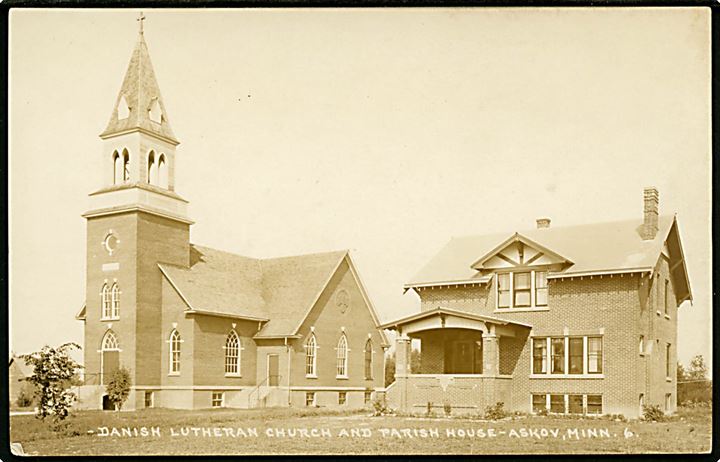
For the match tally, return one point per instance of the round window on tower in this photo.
(110, 242)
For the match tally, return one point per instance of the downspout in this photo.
(289, 362)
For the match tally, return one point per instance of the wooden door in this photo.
(110, 362)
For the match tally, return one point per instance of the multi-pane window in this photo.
(525, 289)
(218, 399)
(540, 356)
(503, 290)
(539, 403)
(175, 342)
(594, 355)
(368, 360)
(557, 348)
(342, 357)
(575, 404)
(105, 302)
(541, 288)
(575, 364)
(115, 301)
(342, 397)
(232, 354)
(567, 355)
(557, 404)
(594, 404)
(310, 398)
(310, 356)
(148, 399)
(668, 364)
(110, 342)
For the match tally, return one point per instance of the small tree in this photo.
(698, 368)
(681, 372)
(118, 388)
(52, 371)
(389, 369)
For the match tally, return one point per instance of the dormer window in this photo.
(522, 289)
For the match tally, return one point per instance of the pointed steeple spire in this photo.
(139, 104)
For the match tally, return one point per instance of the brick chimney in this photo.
(650, 213)
(542, 223)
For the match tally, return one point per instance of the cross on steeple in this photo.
(140, 19)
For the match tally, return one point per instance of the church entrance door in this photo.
(110, 363)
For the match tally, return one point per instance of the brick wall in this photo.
(210, 335)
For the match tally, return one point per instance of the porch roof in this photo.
(440, 312)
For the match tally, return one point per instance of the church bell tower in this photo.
(136, 220)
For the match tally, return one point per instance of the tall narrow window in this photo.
(368, 360)
(540, 356)
(105, 302)
(503, 281)
(232, 354)
(115, 301)
(641, 346)
(557, 346)
(175, 342)
(594, 355)
(162, 172)
(117, 168)
(342, 357)
(668, 363)
(541, 288)
(126, 165)
(311, 356)
(110, 357)
(151, 169)
(576, 355)
(665, 298)
(521, 289)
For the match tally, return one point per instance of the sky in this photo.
(382, 131)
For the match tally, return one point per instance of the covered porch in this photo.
(467, 360)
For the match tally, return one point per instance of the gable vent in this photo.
(542, 223)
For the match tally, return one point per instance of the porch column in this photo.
(491, 353)
(402, 369)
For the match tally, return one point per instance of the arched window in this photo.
(175, 342)
(369, 360)
(311, 356)
(162, 172)
(105, 302)
(126, 165)
(115, 299)
(151, 169)
(232, 354)
(110, 342)
(342, 357)
(117, 168)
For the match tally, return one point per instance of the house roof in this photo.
(25, 369)
(593, 248)
(440, 311)
(280, 292)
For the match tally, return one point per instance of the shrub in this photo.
(496, 411)
(380, 407)
(653, 413)
(118, 388)
(447, 407)
(429, 412)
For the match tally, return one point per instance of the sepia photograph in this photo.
(370, 231)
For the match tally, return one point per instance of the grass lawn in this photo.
(258, 431)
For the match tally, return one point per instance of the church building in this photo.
(199, 327)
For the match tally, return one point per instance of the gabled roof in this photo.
(517, 237)
(25, 369)
(440, 311)
(278, 292)
(593, 248)
(140, 92)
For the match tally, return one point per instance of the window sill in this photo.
(643, 354)
(311, 376)
(234, 375)
(173, 374)
(668, 379)
(110, 319)
(658, 313)
(342, 377)
(523, 309)
(567, 376)
(667, 316)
